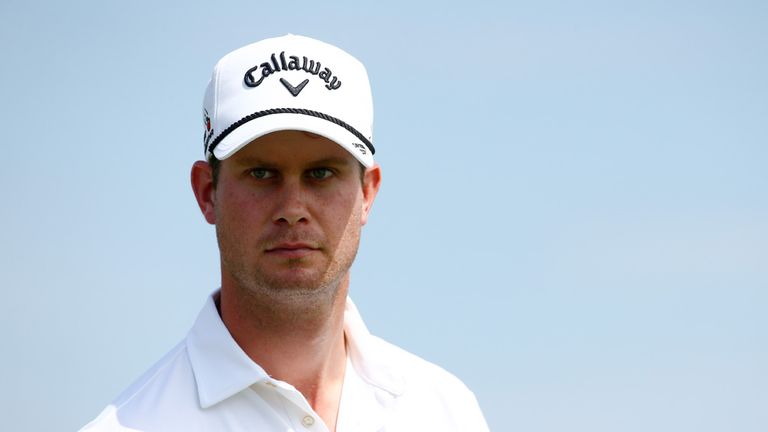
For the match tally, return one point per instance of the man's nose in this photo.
(291, 207)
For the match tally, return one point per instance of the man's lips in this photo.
(291, 250)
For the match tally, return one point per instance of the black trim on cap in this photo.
(264, 113)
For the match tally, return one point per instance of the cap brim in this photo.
(249, 131)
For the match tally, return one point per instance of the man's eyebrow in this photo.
(253, 161)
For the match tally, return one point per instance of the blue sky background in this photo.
(573, 217)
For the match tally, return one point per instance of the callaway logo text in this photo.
(293, 63)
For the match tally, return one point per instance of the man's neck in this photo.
(305, 348)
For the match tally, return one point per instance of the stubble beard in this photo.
(294, 293)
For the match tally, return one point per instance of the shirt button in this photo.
(308, 421)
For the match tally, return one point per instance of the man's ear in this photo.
(371, 183)
(202, 186)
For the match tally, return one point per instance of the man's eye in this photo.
(320, 173)
(261, 173)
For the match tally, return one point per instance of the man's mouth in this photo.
(291, 249)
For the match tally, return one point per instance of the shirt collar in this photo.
(370, 355)
(222, 368)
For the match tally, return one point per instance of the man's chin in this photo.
(295, 280)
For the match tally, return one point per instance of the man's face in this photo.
(288, 210)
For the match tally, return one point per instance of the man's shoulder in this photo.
(429, 391)
(169, 379)
(418, 388)
(417, 372)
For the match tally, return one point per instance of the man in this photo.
(289, 183)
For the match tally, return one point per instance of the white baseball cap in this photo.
(288, 83)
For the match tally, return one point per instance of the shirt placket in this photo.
(297, 410)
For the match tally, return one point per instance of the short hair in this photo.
(215, 164)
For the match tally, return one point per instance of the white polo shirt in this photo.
(207, 383)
